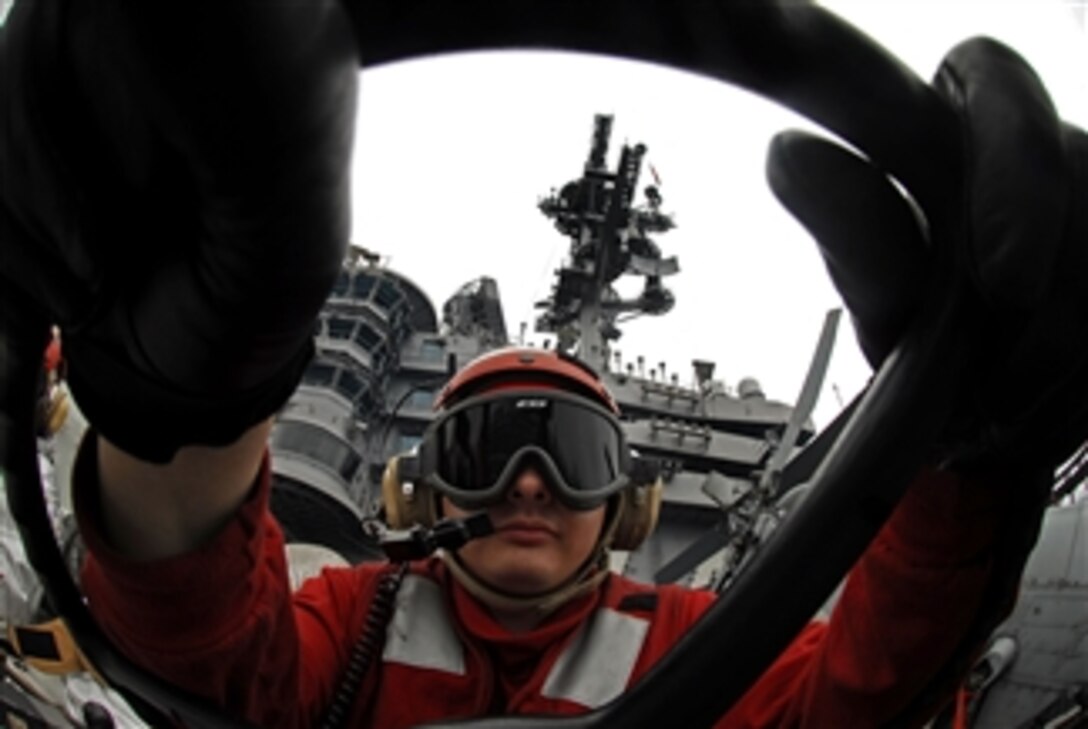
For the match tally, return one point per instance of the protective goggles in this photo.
(473, 451)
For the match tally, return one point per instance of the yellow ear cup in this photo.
(57, 412)
(639, 509)
(406, 503)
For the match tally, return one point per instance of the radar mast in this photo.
(610, 237)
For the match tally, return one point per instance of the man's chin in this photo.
(522, 582)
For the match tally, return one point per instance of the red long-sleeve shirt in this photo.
(222, 623)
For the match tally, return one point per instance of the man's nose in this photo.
(529, 486)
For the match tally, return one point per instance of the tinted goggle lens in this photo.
(472, 451)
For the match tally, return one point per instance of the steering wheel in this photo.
(799, 55)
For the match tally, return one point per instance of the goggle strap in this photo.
(642, 469)
(409, 468)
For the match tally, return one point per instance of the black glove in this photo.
(1016, 262)
(175, 196)
(1019, 258)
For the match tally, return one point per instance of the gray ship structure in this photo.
(367, 395)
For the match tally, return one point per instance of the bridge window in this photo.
(362, 285)
(343, 281)
(318, 374)
(366, 337)
(420, 400)
(431, 350)
(340, 328)
(348, 384)
(387, 295)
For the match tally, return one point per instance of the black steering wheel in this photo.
(799, 55)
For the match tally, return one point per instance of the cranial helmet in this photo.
(513, 404)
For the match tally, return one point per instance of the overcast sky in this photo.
(453, 154)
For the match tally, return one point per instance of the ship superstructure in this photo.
(383, 354)
(381, 358)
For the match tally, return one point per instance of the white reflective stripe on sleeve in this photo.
(596, 666)
(420, 633)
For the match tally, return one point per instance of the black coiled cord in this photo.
(366, 648)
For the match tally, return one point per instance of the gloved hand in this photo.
(1015, 265)
(1019, 258)
(176, 198)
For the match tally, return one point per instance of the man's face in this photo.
(538, 542)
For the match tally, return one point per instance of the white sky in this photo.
(452, 155)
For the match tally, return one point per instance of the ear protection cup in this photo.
(407, 503)
(637, 512)
(50, 412)
(58, 412)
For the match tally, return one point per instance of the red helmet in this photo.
(490, 418)
(519, 367)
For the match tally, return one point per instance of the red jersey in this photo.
(222, 623)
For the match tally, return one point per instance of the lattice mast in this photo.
(609, 237)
